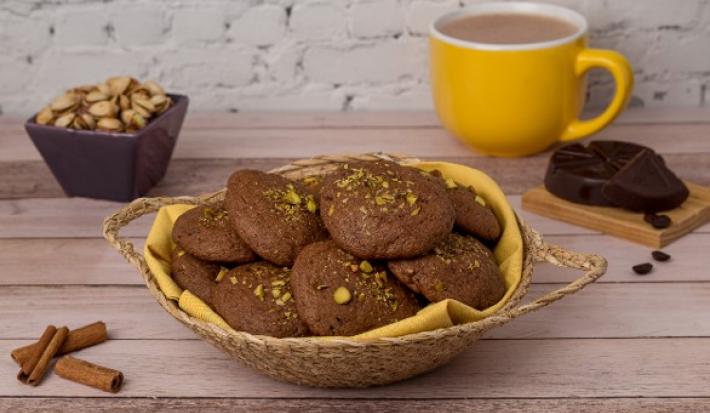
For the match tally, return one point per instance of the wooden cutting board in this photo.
(621, 223)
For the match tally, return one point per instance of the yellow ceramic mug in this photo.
(518, 99)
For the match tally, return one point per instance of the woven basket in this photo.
(346, 362)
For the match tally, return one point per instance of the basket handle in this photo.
(594, 266)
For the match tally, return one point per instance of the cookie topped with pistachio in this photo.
(257, 298)
(382, 210)
(338, 294)
(276, 217)
(472, 214)
(193, 274)
(205, 232)
(460, 267)
(119, 104)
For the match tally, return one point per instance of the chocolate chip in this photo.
(660, 256)
(642, 269)
(659, 221)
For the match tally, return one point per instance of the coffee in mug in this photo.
(508, 28)
(509, 78)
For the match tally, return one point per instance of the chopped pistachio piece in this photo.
(286, 296)
(415, 211)
(439, 286)
(365, 266)
(275, 293)
(221, 273)
(292, 197)
(342, 295)
(411, 198)
(450, 183)
(480, 200)
(259, 292)
(311, 205)
(233, 280)
(180, 253)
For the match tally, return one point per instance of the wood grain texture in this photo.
(92, 261)
(693, 213)
(660, 367)
(82, 217)
(304, 143)
(601, 310)
(328, 405)
(32, 179)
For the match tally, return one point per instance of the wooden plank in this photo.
(490, 369)
(81, 218)
(327, 405)
(92, 261)
(303, 143)
(32, 179)
(601, 310)
(693, 213)
(364, 119)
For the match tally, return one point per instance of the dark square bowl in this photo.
(104, 165)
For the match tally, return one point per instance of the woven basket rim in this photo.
(535, 250)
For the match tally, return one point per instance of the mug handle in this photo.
(620, 69)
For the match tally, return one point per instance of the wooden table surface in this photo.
(625, 343)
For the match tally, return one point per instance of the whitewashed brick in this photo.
(380, 18)
(422, 12)
(378, 63)
(328, 55)
(138, 26)
(201, 69)
(198, 24)
(260, 26)
(318, 21)
(78, 28)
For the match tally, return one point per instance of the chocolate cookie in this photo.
(380, 209)
(193, 274)
(461, 268)
(273, 215)
(257, 298)
(338, 294)
(473, 215)
(206, 233)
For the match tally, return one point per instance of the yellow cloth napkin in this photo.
(508, 253)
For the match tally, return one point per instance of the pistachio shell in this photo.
(153, 87)
(141, 111)
(65, 102)
(45, 116)
(109, 124)
(124, 102)
(95, 96)
(104, 109)
(127, 115)
(64, 120)
(103, 88)
(118, 84)
(138, 121)
(139, 100)
(159, 100)
(78, 123)
(89, 121)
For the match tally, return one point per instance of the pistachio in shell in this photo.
(133, 119)
(89, 121)
(45, 116)
(104, 109)
(95, 96)
(103, 88)
(143, 101)
(160, 102)
(65, 102)
(124, 102)
(119, 84)
(109, 124)
(153, 87)
(141, 111)
(65, 120)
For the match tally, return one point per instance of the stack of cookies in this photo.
(364, 246)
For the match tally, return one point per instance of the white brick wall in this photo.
(311, 54)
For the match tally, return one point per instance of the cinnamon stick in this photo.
(29, 364)
(90, 374)
(47, 353)
(82, 337)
